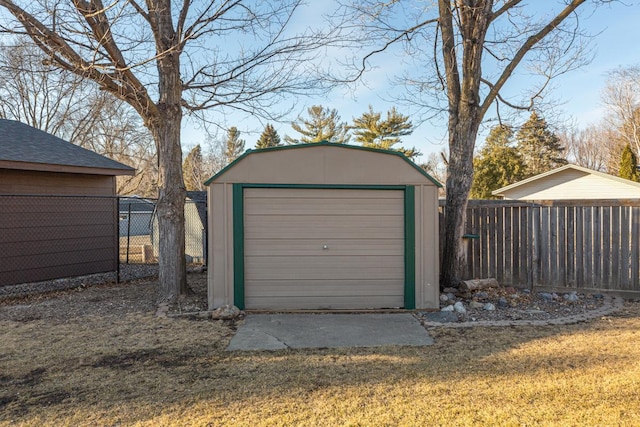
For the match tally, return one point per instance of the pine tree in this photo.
(629, 165)
(323, 125)
(372, 131)
(234, 145)
(269, 138)
(497, 165)
(539, 147)
(193, 171)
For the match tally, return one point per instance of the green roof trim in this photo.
(325, 144)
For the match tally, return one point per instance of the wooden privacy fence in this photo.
(561, 244)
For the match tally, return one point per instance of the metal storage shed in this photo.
(323, 226)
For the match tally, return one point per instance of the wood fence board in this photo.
(579, 236)
(515, 266)
(493, 250)
(500, 233)
(570, 236)
(635, 250)
(588, 246)
(526, 248)
(535, 238)
(508, 246)
(561, 263)
(484, 241)
(615, 249)
(597, 246)
(625, 253)
(606, 245)
(545, 245)
(476, 244)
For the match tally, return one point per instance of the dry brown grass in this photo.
(137, 369)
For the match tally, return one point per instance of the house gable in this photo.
(571, 182)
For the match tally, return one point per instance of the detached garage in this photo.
(323, 226)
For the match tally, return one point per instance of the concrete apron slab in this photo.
(282, 331)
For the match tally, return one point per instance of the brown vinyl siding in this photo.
(45, 238)
(37, 182)
(287, 266)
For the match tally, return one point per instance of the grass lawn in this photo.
(120, 365)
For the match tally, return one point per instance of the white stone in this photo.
(459, 307)
(489, 307)
(447, 308)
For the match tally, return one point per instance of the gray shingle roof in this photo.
(22, 143)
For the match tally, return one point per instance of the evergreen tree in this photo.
(323, 125)
(234, 146)
(539, 147)
(193, 170)
(269, 138)
(372, 131)
(629, 165)
(497, 165)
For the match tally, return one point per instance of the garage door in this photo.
(323, 248)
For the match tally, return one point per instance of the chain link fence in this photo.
(47, 240)
(139, 234)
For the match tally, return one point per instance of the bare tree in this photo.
(163, 58)
(41, 95)
(591, 147)
(436, 166)
(622, 97)
(65, 105)
(462, 54)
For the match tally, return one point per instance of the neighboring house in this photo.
(195, 218)
(323, 226)
(59, 216)
(571, 182)
(136, 216)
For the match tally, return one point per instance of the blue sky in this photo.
(616, 30)
(616, 43)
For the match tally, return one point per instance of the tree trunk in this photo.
(463, 92)
(170, 208)
(165, 127)
(459, 179)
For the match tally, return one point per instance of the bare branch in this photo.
(524, 49)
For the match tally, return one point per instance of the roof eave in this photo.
(47, 167)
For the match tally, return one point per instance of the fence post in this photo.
(118, 240)
(128, 230)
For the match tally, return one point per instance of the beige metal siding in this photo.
(288, 267)
(327, 165)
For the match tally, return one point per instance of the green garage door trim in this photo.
(409, 234)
